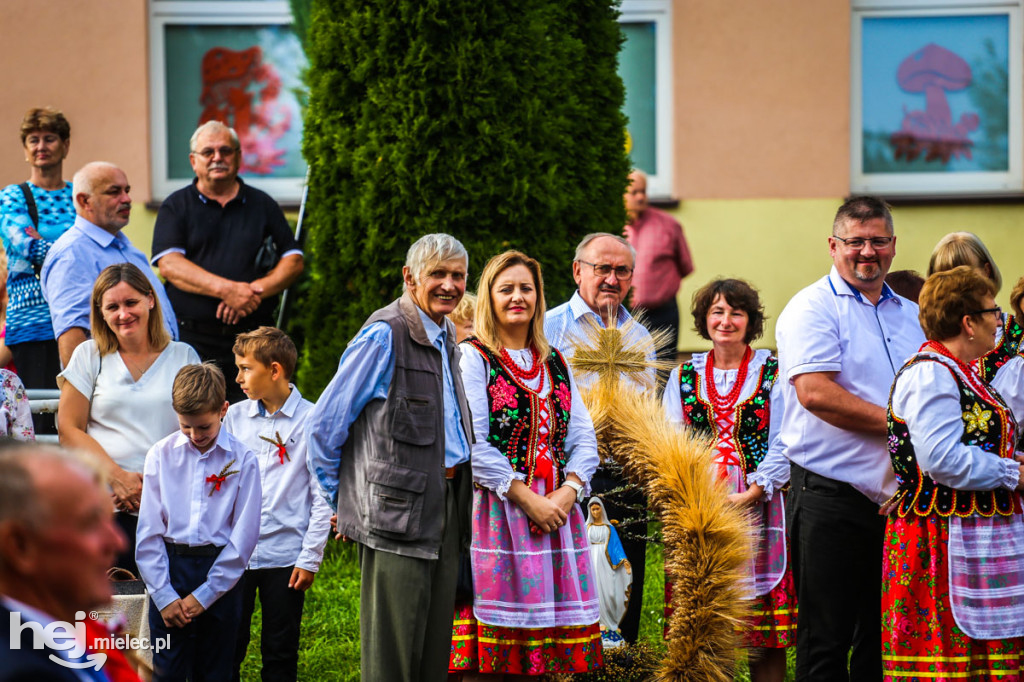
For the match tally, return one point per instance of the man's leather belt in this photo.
(189, 550)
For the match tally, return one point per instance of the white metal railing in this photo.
(44, 401)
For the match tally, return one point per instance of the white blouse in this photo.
(127, 417)
(927, 398)
(773, 472)
(491, 467)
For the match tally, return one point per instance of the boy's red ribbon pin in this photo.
(217, 479)
(282, 451)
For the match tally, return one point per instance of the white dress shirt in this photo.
(491, 467)
(295, 520)
(773, 471)
(830, 327)
(927, 398)
(1009, 382)
(180, 506)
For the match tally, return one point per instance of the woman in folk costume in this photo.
(954, 545)
(731, 394)
(966, 248)
(535, 599)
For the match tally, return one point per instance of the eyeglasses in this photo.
(997, 310)
(225, 152)
(858, 243)
(604, 269)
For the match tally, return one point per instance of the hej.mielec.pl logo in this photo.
(71, 638)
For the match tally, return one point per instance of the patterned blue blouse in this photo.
(28, 316)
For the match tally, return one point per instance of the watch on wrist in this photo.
(578, 488)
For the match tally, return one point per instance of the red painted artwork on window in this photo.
(242, 90)
(934, 71)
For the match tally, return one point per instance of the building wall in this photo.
(88, 58)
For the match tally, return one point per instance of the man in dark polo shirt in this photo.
(225, 250)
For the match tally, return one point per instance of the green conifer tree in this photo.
(497, 122)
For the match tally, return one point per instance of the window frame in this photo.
(951, 184)
(659, 12)
(164, 13)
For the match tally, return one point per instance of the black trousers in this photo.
(836, 537)
(203, 650)
(282, 620)
(621, 507)
(128, 523)
(38, 364)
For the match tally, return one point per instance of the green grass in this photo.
(329, 649)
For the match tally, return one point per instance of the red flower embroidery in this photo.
(564, 397)
(762, 412)
(502, 394)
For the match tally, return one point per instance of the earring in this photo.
(970, 338)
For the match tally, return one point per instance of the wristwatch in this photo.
(578, 488)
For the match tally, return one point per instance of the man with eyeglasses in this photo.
(225, 250)
(841, 341)
(603, 270)
(662, 261)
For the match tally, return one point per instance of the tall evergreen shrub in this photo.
(498, 122)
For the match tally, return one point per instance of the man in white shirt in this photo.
(841, 341)
(57, 540)
(603, 270)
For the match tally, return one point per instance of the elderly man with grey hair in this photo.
(103, 205)
(389, 445)
(57, 540)
(603, 270)
(225, 249)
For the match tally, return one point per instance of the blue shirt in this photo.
(364, 374)
(566, 326)
(72, 266)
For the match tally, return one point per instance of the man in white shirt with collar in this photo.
(841, 341)
(57, 540)
(603, 270)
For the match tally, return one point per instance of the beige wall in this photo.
(89, 59)
(761, 98)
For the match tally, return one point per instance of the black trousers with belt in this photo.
(836, 537)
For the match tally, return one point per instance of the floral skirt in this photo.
(534, 596)
(920, 639)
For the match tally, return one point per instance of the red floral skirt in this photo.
(920, 639)
(522, 651)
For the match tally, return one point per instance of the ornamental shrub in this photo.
(499, 123)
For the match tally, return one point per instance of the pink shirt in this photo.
(662, 258)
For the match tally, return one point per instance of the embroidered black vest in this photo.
(752, 416)
(1007, 348)
(989, 426)
(514, 414)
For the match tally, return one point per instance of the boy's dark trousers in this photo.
(282, 618)
(203, 650)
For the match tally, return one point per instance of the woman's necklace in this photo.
(524, 374)
(727, 401)
(137, 369)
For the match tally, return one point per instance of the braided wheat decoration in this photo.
(707, 539)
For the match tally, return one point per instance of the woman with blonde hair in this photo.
(115, 394)
(954, 555)
(966, 248)
(535, 600)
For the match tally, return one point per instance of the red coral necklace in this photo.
(727, 401)
(519, 372)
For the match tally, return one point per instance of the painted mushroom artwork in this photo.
(934, 71)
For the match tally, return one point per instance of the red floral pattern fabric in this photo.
(920, 639)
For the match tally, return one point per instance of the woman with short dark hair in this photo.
(731, 394)
(954, 544)
(33, 215)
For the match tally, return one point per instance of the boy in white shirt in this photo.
(295, 520)
(199, 519)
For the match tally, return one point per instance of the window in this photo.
(235, 61)
(645, 65)
(936, 97)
